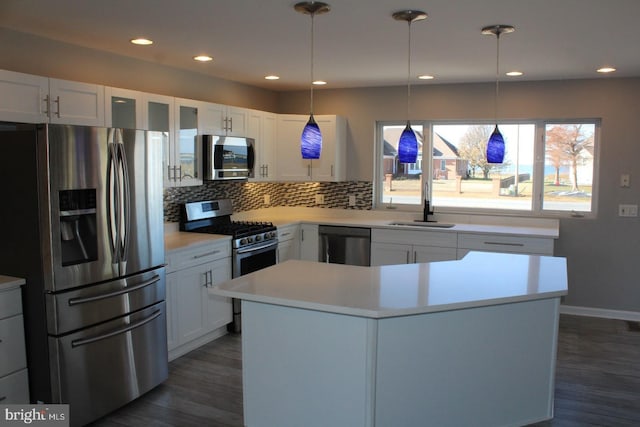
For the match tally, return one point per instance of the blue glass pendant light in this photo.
(311, 138)
(408, 144)
(495, 145)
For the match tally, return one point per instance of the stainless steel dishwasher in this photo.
(345, 245)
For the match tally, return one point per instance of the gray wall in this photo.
(603, 253)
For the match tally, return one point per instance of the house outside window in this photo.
(549, 168)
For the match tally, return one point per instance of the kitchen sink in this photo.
(422, 224)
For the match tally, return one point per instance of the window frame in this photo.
(537, 173)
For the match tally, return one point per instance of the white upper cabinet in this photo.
(23, 97)
(186, 155)
(124, 108)
(217, 119)
(331, 166)
(74, 103)
(262, 128)
(34, 99)
(158, 115)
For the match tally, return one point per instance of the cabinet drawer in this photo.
(496, 243)
(12, 350)
(184, 258)
(442, 239)
(14, 388)
(287, 233)
(10, 303)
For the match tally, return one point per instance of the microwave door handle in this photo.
(251, 157)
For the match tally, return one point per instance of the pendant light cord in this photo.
(409, 75)
(495, 101)
(312, 37)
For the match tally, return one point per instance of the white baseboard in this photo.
(600, 312)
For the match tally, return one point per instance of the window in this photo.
(549, 168)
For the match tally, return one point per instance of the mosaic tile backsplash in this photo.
(250, 195)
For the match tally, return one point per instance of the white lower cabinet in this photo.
(309, 242)
(288, 242)
(406, 247)
(496, 243)
(194, 317)
(14, 380)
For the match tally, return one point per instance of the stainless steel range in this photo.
(254, 244)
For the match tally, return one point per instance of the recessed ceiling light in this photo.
(141, 41)
(272, 77)
(426, 77)
(319, 82)
(203, 58)
(606, 70)
(514, 73)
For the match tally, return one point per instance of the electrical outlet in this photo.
(319, 199)
(625, 180)
(628, 210)
(352, 200)
(267, 199)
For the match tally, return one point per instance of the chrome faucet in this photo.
(427, 206)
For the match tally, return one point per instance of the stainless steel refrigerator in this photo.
(81, 219)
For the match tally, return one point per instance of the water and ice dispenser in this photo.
(78, 236)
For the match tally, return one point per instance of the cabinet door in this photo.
(188, 151)
(433, 254)
(237, 121)
(24, 97)
(218, 308)
(331, 164)
(191, 318)
(158, 116)
(290, 164)
(262, 128)
(74, 103)
(288, 250)
(123, 108)
(309, 242)
(171, 304)
(212, 119)
(390, 253)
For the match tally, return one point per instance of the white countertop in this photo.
(479, 279)
(8, 282)
(514, 226)
(174, 239)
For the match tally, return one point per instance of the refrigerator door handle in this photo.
(75, 301)
(125, 207)
(85, 341)
(112, 202)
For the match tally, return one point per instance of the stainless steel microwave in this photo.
(227, 157)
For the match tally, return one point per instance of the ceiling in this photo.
(357, 44)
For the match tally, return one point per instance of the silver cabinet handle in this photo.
(57, 101)
(332, 170)
(266, 175)
(2, 398)
(206, 254)
(415, 257)
(85, 341)
(231, 124)
(285, 234)
(408, 255)
(309, 169)
(47, 103)
(75, 301)
(504, 243)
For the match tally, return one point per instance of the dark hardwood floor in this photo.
(597, 382)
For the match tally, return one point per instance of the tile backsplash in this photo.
(251, 195)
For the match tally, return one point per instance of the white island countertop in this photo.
(479, 279)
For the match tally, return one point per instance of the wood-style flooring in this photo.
(597, 382)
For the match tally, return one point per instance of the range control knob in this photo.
(258, 238)
(243, 241)
(249, 239)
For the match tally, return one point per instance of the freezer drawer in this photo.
(79, 308)
(99, 369)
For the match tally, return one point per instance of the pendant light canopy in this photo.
(408, 144)
(311, 139)
(495, 145)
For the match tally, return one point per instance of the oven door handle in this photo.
(256, 248)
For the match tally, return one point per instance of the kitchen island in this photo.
(466, 342)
